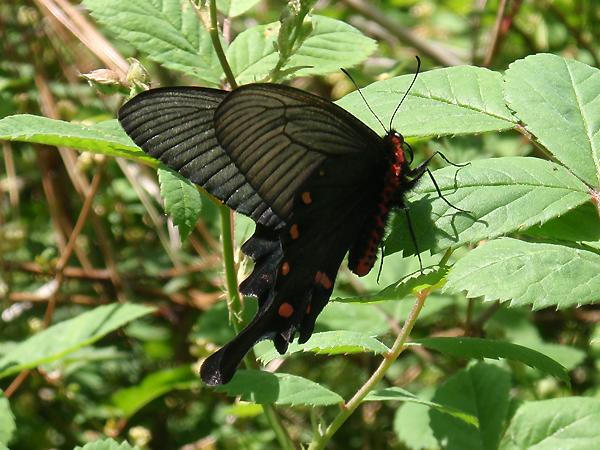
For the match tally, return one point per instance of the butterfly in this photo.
(317, 181)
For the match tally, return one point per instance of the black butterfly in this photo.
(315, 179)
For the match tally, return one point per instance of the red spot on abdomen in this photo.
(363, 267)
(374, 228)
(322, 279)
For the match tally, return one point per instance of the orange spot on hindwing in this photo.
(285, 310)
(306, 198)
(322, 279)
(285, 268)
(294, 233)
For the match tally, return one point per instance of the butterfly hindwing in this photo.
(296, 267)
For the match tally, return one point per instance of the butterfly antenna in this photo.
(364, 99)
(407, 91)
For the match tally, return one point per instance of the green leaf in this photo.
(566, 355)
(412, 426)
(517, 325)
(278, 388)
(182, 200)
(131, 400)
(233, 8)
(455, 100)
(558, 100)
(338, 342)
(540, 275)
(67, 336)
(252, 55)
(7, 421)
(244, 410)
(362, 318)
(169, 31)
(481, 390)
(569, 423)
(105, 138)
(410, 284)
(464, 347)
(502, 195)
(107, 444)
(329, 45)
(399, 394)
(581, 224)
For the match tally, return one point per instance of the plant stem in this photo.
(398, 347)
(235, 303)
(216, 41)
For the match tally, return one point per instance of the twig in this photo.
(11, 176)
(469, 317)
(216, 41)
(77, 24)
(81, 184)
(77, 299)
(398, 347)
(48, 158)
(495, 38)
(436, 52)
(65, 255)
(68, 250)
(281, 433)
(129, 170)
(18, 381)
(479, 321)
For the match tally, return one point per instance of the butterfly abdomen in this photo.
(363, 253)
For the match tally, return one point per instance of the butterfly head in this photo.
(399, 153)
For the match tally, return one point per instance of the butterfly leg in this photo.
(423, 168)
(412, 234)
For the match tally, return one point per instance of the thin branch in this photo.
(61, 264)
(131, 171)
(479, 321)
(495, 38)
(437, 52)
(273, 418)
(399, 346)
(69, 157)
(16, 383)
(11, 176)
(68, 250)
(76, 23)
(216, 41)
(77, 299)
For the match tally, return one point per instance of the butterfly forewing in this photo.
(175, 125)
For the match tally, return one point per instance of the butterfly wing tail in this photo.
(220, 367)
(264, 248)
